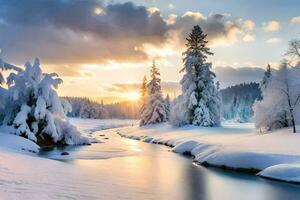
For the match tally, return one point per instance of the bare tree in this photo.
(290, 91)
(294, 49)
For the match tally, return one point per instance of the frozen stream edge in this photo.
(277, 167)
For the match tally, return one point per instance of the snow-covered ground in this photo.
(26, 175)
(92, 125)
(236, 146)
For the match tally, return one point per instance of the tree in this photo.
(266, 78)
(168, 105)
(200, 102)
(280, 100)
(155, 111)
(294, 48)
(238, 100)
(6, 66)
(34, 109)
(218, 85)
(143, 100)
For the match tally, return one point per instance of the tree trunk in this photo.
(293, 122)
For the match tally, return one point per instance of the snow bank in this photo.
(185, 147)
(10, 142)
(233, 146)
(283, 172)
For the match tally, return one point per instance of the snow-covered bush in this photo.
(200, 102)
(155, 110)
(279, 105)
(34, 109)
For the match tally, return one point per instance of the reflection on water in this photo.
(150, 171)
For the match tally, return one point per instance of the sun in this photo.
(133, 96)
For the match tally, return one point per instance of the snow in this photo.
(34, 108)
(155, 109)
(13, 143)
(283, 172)
(92, 125)
(199, 104)
(234, 146)
(279, 106)
(25, 175)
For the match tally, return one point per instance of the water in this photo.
(129, 169)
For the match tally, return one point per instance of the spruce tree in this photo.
(168, 105)
(155, 111)
(266, 78)
(199, 103)
(143, 92)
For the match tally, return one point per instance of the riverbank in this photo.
(234, 146)
(27, 174)
(120, 168)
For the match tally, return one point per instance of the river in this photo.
(130, 169)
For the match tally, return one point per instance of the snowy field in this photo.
(235, 146)
(26, 175)
(92, 125)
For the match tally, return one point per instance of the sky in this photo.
(102, 49)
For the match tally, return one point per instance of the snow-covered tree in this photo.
(144, 93)
(4, 66)
(200, 102)
(168, 105)
(155, 111)
(34, 109)
(280, 100)
(266, 78)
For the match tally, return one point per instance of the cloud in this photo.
(171, 6)
(171, 19)
(71, 33)
(116, 88)
(77, 31)
(218, 27)
(271, 26)
(295, 20)
(249, 25)
(249, 38)
(273, 40)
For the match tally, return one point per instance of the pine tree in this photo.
(266, 78)
(35, 110)
(199, 103)
(218, 85)
(143, 92)
(168, 105)
(155, 111)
